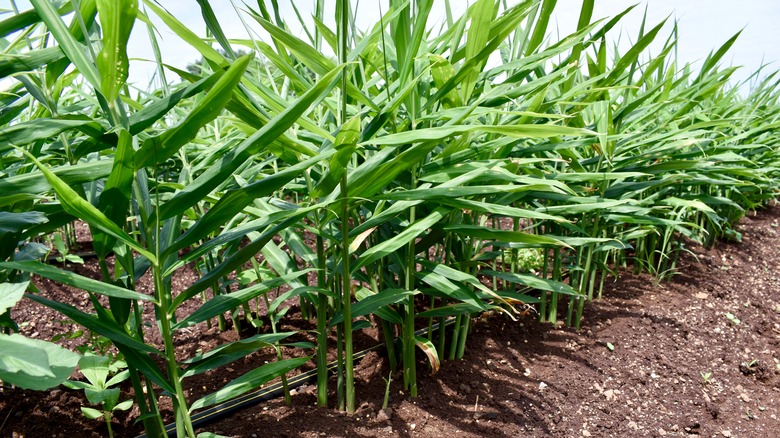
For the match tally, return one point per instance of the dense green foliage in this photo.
(420, 173)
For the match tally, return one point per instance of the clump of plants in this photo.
(411, 177)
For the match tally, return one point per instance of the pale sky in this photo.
(704, 25)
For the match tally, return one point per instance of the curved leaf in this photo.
(249, 381)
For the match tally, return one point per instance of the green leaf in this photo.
(482, 14)
(76, 280)
(227, 302)
(95, 369)
(233, 262)
(312, 58)
(96, 325)
(77, 206)
(212, 24)
(125, 405)
(27, 18)
(92, 414)
(10, 294)
(15, 222)
(281, 299)
(373, 303)
(534, 282)
(115, 199)
(210, 435)
(198, 43)
(236, 200)
(540, 29)
(485, 233)
(408, 235)
(442, 132)
(498, 209)
(731, 317)
(78, 23)
(442, 71)
(456, 275)
(16, 63)
(36, 182)
(223, 169)
(228, 353)
(346, 143)
(249, 381)
(450, 310)
(152, 112)
(143, 363)
(20, 134)
(34, 364)
(157, 149)
(74, 50)
(116, 20)
(452, 290)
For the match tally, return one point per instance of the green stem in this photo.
(441, 339)
(183, 420)
(272, 318)
(346, 291)
(455, 333)
(410, 367)
(343, 16)
(387, 328)
(107, 417)
(464, 330)
(322, 334)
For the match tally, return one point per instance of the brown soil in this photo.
(650, 360)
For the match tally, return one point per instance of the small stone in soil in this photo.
(384, 414)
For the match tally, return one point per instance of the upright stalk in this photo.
(342, 17)
(346, 300)
(322, 334)
(164, 314)
(183, 421)
(410, 367)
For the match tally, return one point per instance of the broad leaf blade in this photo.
(34, 364)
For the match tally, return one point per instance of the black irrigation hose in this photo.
(276, 390)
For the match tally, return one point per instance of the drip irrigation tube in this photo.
(273, 391)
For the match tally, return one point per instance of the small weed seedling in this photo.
(706, 376)
(98, 387)
(64, 253)
(733, 318)
(386, 400)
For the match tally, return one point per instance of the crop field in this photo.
(404, 180)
